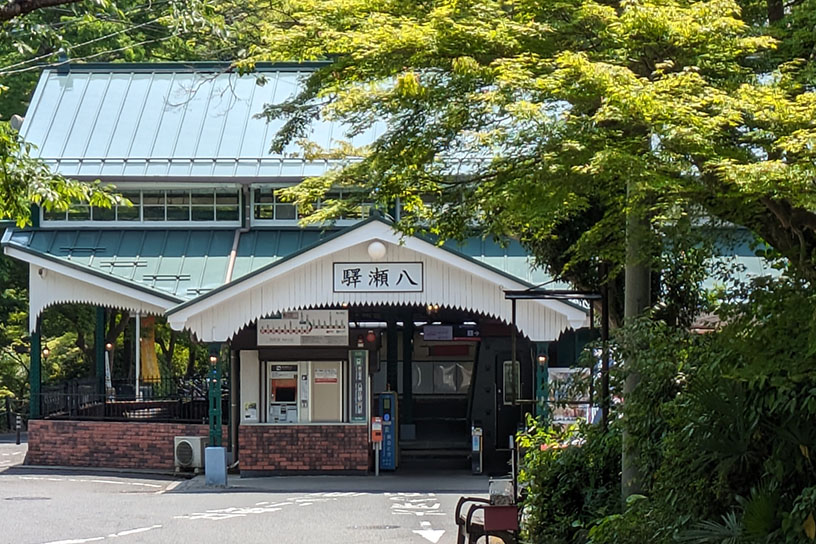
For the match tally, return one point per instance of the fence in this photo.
(163, 399)
(9, 410)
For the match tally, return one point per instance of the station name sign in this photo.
(378, 278)
(305, 328)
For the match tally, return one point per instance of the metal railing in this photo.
(162, 399)
(10, 408)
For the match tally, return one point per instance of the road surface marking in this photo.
(432, 535)
(113, 535)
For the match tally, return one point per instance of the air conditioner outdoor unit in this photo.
(188, 452)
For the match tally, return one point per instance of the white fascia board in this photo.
(108, 285)
(375, 230)
(575, 316)
(336, 244)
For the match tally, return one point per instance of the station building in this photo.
(319, 322)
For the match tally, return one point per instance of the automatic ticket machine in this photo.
(390, 424)
(283, 387)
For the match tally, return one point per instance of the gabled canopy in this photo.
(305, 280)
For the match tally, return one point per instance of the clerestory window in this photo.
(158, 206)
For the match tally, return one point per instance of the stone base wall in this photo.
(292, 449)
(138, 445)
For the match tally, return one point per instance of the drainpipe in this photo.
(234, 413)
(238, 232)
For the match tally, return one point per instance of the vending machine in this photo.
(389, 457)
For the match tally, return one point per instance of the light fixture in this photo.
(213, 358)
(542, 360)
(109, 346)
(46, 352)
(360, 342)
(371, 337)
(376, 250)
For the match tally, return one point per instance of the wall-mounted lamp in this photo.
(542, 360)
(46, 352)
(376, 250)
(432, 308)
(109, 347)
(213, 359)
(371, 337)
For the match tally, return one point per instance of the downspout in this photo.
(238, 232)
(234, 413)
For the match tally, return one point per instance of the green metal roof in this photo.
(192, 121)
(183, 264)
(187, 263)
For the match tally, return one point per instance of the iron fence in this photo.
(162, 399)
(10, 408)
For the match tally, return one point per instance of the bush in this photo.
(572, 477)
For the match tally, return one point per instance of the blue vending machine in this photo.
(390, 441)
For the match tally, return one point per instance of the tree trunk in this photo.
(636, 299)
(776, 10)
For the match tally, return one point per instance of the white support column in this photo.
(138, 354)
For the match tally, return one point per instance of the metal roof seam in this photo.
(72, 126)
(51, 121)
(118, 115)
(246, 124)
(96, 115)
(138, 122)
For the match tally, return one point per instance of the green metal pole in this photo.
(99, 350)
(542, 379)
(214, 382)
(35, 375)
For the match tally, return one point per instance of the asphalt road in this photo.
(79, 506)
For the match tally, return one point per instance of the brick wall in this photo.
(284, 449)
(142, 445)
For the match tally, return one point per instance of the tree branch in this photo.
(10, 10)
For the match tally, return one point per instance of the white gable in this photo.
(305, 280)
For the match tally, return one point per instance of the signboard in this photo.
(437, 332)
(568, 398)
(325, 375)
(378, 278)
(305, 328)
(359, 373)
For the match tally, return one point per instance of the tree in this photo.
(522, 117)
(47, 32)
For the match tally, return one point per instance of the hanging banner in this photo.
(305, 328)
(378, 277)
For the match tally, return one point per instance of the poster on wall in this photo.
(569, 395)
(305, 328)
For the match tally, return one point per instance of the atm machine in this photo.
(283, 388)
(389, 456)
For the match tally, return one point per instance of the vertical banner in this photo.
(359, 379)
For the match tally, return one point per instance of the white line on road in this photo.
(113, 535)
(82, 480)
(134, 531)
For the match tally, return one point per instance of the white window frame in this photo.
(142, 223)
(289, 222)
